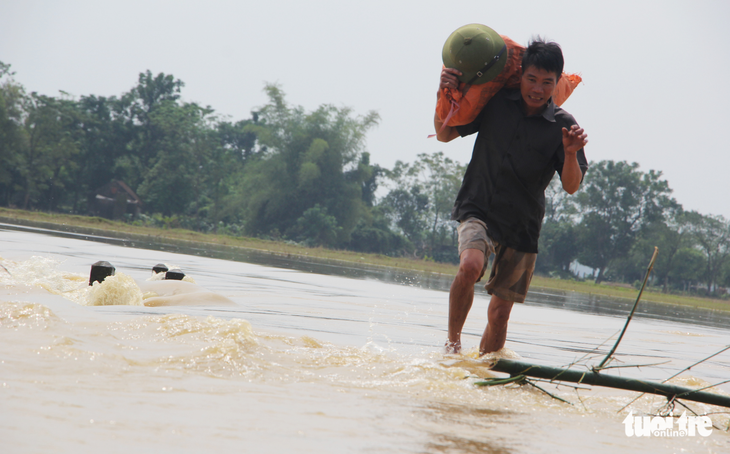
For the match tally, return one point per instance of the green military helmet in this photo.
(477, 51)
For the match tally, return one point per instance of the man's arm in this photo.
(444, 133)
(573, 140)
(449, 79)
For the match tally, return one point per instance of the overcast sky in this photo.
(654, 72)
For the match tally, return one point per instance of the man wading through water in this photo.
(523, 139)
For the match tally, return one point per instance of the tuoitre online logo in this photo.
(658, 426)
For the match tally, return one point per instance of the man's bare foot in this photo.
(452, 348)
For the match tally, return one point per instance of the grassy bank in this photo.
(100, 226)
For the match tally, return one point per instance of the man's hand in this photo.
(449, 78)
(573, 140)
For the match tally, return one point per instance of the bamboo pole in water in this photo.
(646, 278)
(515, 368)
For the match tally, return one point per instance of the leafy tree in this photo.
(441, 177)
(374, 234)
(106, 135)
(616, 200)
(687, 269)
(371, 174)
(670, 235)
(712, 234)
(317, 228)
(558, 245)
(146, 125)
(406, 207)
(46, 159)
(724, 279)
(420, 200)
(237, 140)
(173, 180)
(12, 98)
(557, 248)
(311, 159)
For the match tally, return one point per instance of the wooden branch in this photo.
(515, 368)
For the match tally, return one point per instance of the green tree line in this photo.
(613, 223)
(305, 176)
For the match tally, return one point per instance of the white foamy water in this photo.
(249, 358)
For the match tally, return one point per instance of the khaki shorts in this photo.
(511, 270)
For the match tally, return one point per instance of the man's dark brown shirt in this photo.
(514, 159)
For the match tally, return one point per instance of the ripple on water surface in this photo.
(175, 377)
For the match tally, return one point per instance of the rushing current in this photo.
(259, 353)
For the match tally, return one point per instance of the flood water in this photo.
(268, 354)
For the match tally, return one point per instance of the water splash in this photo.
(26, 315)
(119, 289)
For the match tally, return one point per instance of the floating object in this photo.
(174, 275)
(100, 271)
(160, 268)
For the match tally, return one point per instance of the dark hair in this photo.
(545, 55)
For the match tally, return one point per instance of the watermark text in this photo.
(658, 426)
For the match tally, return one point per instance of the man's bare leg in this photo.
(495, 334)
(461, 295)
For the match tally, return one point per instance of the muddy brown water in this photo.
(264, 353)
